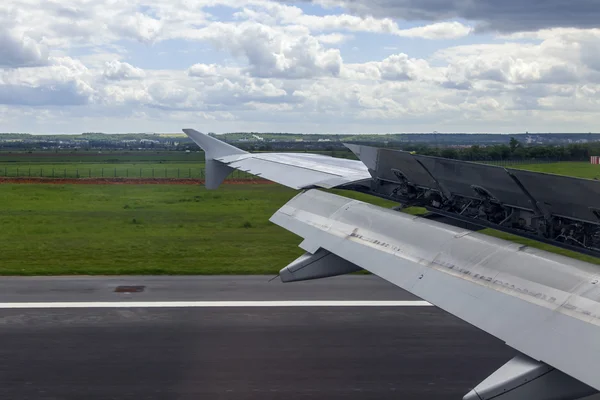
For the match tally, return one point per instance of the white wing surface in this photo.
(295, 170)
(542, 304)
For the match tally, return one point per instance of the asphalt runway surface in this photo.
(234, 352)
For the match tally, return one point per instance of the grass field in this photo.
(147, 164)
(153, 229)
(106, 157)
(140, 164)
(143, 229)
(577, 169)
(164, 229)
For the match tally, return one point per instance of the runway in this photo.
(371, 351)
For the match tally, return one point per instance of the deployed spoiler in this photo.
(558, 210)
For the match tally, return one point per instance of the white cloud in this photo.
(64, 82)
(71, 23)
(170, 95)
(140, 27)
(345, 22)
(275, 52)
(397, 67)
(115, 95)
(283, 14)
(333, 38)
(440, 30)
(197, 90)
(400, 67)
(116, 70)
(59, 94)
(213, 71)
(19, 50)
(552, 61)
(273, 65)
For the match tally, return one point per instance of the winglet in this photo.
(214, 148)
(216, 172)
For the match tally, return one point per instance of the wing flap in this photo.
(539, 303)
(525, 378)
(321, 264)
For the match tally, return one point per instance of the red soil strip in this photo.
(129, 181)
(97, 155)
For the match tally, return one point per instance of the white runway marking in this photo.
(201, 304)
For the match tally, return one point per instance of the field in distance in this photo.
(181, 164)
(165, 229)
(99, 156)
(142, 229)
(153, 229)
(567, 168)
(103, 164)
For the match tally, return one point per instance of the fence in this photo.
(524, 161)
(172, 173)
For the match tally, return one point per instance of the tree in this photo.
(521, 153)
(498, 152)
(513, 144)
(449, 153)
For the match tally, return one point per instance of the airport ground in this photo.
(206, 347)
(99, 347)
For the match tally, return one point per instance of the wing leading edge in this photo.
(295, 170)
(544, 305)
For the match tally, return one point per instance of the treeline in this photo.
(515, 150)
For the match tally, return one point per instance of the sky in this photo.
(322, 66)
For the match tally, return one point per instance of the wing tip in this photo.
(213, 147)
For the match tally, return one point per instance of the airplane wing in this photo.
(544, 305)
(295, 170)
